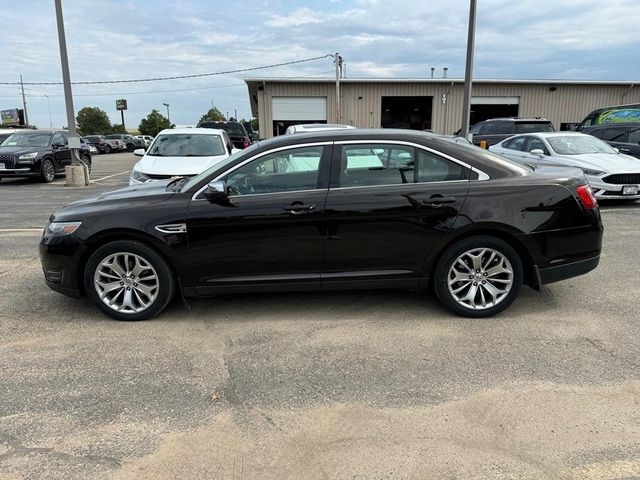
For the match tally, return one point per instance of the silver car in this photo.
(612, 175)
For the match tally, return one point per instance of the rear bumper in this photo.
(567, 270)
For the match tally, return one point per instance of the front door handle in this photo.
(300, 209)
(437, 200)
(623, 149)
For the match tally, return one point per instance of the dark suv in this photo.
(38, 153)
(497, 129)
(235, 130)
(99, 142)
(623, 136)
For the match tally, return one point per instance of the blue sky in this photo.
(112, 40)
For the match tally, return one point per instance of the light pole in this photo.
(77, 173)
(49, 104)
(168, 117)
(468, 74)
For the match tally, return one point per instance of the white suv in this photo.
(181, 152)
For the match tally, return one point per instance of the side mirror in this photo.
(537, 151)
(139, 152)
(216, 190)
(616, 149)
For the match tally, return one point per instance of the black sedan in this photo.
(356, 209)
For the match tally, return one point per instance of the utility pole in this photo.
(235, 113)
(338, 61)
(74, 177)
(468, 74)
(49, 105)
(24, 103)
(122, 116)
(168, 117)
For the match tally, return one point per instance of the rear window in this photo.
(502, 128)
(532, 127)
(230, 128)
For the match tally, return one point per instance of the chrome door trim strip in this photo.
(172, 228)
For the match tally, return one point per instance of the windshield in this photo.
(24, 139)
(532, 127)
(578, 144)
(220, 165)
(187, 145)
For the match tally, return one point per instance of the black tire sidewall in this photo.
(43, 177)
(163, 270)
(453, 252)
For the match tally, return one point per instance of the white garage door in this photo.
(299, 108)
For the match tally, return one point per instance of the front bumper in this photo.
(16, 172)
(609, 191)
(60, 258)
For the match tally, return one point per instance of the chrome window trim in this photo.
(255, 157)
(482, 176)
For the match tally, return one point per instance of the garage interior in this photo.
(289, 111)
(484, 108)
(407, 112)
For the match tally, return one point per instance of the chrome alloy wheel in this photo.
(48, 171)
(480, 278)
(126, 282)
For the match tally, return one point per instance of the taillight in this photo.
(587, 197)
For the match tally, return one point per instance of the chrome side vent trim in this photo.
(172, 228)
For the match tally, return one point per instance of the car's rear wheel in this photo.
(128, 280)
(478, 276)
(107, 149)
(47, 171)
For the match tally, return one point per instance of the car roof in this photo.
(518, 119)
(321, 126)
(197, 131)
(551, 134)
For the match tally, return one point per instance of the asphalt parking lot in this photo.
(342, 385)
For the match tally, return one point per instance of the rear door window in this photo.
(516, 143)
(531, 127)
(634, 136)
(379, 164)
(502, 128)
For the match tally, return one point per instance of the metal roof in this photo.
(440, 80)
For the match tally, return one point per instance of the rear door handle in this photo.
(300, 209)
(438, 200)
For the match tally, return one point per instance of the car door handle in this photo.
(623, 149)
(300, 209)
(438, 200)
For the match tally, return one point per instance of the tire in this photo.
(47, 171)
(104, 287)
(467, 292)
(107, 149)
(130, 147)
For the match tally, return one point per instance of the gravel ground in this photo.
(343, 385)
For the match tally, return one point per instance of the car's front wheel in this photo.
(478, 276)
(47, 171)
(128, 280)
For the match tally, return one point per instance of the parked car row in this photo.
(117, 142)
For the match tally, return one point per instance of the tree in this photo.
(93, 121)
(118, 128)
(154, 122)
(213, 115)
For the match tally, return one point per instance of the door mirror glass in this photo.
(537, 151)
(216, 190)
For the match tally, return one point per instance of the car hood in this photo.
(21, 150)
(183, 166)
(601, 161)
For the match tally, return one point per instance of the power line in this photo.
(178, 77)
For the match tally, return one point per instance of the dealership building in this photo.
(432, 103)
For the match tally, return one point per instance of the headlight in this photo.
(28, 156)
(593, 173)
(58, 229)
(139, 176)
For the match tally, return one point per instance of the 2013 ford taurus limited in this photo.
(353, 209)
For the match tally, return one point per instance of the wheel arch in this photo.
(97, 240)
(506, 233)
